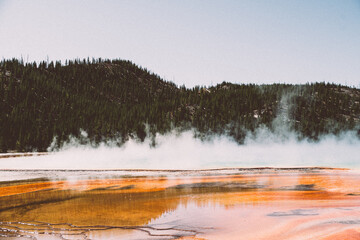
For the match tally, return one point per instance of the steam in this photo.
(173, 151)
(279, 147)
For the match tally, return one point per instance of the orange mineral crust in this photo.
(252, 204)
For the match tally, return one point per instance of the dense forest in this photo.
(115, 99)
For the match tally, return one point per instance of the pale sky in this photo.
(194, 42)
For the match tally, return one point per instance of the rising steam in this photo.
(263, 148)
(279, 147)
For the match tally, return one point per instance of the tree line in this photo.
(116, 99)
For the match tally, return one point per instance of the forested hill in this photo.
(115, 99)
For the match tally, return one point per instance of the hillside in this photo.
(115, 99)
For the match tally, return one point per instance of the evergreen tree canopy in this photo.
(115, 99)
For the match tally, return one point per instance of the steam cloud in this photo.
(262, 148)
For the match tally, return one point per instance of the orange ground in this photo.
(322, 204)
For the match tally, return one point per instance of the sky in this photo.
(194, 42)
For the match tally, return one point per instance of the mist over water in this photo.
(182, 151)
(279, 147)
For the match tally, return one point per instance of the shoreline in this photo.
(7, 175)
(22, 154)
(183, 170)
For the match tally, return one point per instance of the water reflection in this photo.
(285, 204)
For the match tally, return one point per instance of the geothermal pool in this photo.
(234, 203)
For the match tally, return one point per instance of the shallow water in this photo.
(261, 203)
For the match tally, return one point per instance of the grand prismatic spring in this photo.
(180, 120)
(232, 203)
